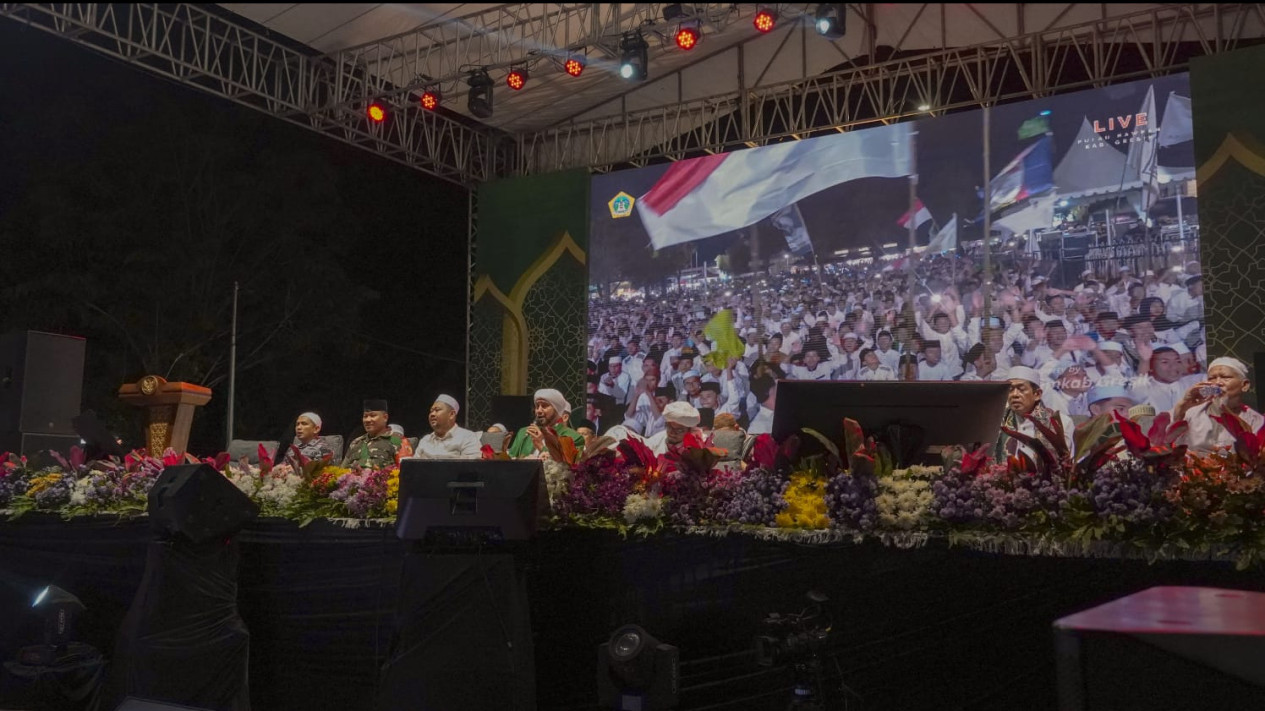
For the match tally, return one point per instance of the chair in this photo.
(335, 443)
(412, 442)
(495, 440)
(732, 441)
(249, 448)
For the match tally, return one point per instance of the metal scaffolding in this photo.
(755, 89)
(1149, 43)
(196, 47)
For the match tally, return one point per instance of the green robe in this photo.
(522, 445)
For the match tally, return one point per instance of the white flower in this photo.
(642, 506)
(557, 479)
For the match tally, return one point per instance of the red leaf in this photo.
(972, 461)
(764, 452)
(222, 461)
(636, 453)
(1137, 442)
(1159, 426)
(488, 452)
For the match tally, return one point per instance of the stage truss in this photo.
(752, 90)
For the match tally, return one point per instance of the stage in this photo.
(927, 627)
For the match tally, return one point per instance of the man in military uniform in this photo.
(376, 448)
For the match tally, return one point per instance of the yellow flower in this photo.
(805, 503)
(40, 483)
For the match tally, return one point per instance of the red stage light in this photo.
(686, 38)
(574, 66)
(764, 20)
(516, 79)
(430, 99)
(377, 113)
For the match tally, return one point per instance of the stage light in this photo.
(479, 100)
(1045, 113)
(575, 65)
(377, 112)
(58, 609)
(764, 20)
(924, 107)
(636, 670)
(688, 34)
(517, 78)
(673, 11)
(635, 57)
(431, 98)
(831, 20)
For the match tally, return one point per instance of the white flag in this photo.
(712, 195)
(946, 240)
(1178, 126)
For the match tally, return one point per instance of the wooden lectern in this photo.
(168, 410)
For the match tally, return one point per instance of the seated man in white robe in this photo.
(681, 418)
(1220, 393)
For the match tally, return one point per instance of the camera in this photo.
(795, 637)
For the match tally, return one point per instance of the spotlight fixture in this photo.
(831, 20)
(575, 65)
(673, 11)
(635, 57)
(517, 78)
(635, 670)
(431, 98)
(924, 107)
(479, 100)
(59, 610)
(688, 34)
(377, 112)
(764, 19)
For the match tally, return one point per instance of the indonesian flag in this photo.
(712, 195)
(919, 214)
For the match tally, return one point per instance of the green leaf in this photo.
(825, 441)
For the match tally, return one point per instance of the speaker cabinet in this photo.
(41, 382)
(197, 503)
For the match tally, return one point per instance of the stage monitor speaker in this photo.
(1164, 648)
(41, 382)
(131, 704)
(196, 502)
(29, 444)
(513, 411)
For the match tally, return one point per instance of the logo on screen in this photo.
(1120, 130)
(621, 205)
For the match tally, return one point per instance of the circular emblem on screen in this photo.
(149, 384)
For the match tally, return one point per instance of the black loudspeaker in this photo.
(1164, 648)
(130, 704)
(195, 502)
(513, 411)
(41, 382)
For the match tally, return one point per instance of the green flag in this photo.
(1035, 126)
(725, 342)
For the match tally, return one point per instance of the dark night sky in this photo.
(950, 167)
(397, 236)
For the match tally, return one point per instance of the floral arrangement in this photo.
(1117, 487)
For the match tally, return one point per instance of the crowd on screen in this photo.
(1114, 339)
